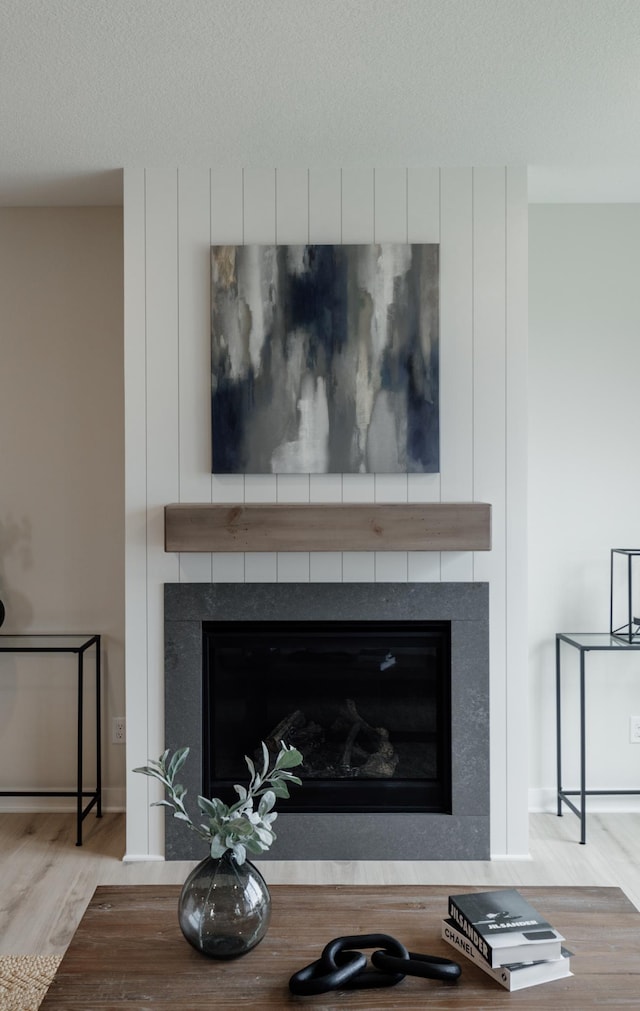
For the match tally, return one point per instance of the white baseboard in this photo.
(510, 856)
(543, 801)
(113, 799)
(142, 858)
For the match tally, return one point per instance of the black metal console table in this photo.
(78, 644)
(584, 642)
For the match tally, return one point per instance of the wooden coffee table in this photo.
(128, 952)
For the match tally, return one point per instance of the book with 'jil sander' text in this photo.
(504, 927)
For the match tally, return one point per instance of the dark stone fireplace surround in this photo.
(461, 835)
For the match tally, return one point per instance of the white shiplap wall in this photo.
(479, 217)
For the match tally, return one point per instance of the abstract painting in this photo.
(324, 359)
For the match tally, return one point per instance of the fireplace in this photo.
(367, 704)
(384, 687)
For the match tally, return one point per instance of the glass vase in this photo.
(224, 907)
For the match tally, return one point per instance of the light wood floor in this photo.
(46, 881)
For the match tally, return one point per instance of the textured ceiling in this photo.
(90, 86)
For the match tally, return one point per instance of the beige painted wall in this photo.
(584, 485)
(61, 483)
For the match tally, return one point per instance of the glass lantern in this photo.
(625, 594)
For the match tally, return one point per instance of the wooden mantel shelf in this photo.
(450, 526)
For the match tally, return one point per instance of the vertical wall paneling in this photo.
(227, 227)
(293, 487)
(423, 488)
(325, 226)
(456, 352)
(227, 211)
(357, 225)
(390, 487)
(489, 436)
(325, 567)
(357, 199)
(423, 225)
(390, 225)
(325, 487)
(292, 206)
(259, 202)
(163, 425)
(292, 227)
(227, 567)
(391, 567)
(170, 219)
(194, 383)
(516, 507)
(135, 384)
(260, 488)
(390, 204)
(423, 205)
(423, 566)
(294, 567)
(358, 488)
(259, 225)
(358, 567)
(226, 487)
(325, 209)
(260, 567)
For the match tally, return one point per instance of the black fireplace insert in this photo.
(368, 703)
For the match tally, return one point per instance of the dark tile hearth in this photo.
(306, 835)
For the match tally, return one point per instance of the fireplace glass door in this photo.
(367, 703)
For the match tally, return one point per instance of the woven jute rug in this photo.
(24, 980)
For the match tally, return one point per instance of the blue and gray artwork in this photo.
(324, 359)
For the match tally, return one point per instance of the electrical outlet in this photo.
(119, 730)
(634, 729)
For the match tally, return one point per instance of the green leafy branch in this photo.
(239, 827)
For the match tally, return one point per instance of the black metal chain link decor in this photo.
(367, 980)
(427, 966)
(342, 966)
(318, 978)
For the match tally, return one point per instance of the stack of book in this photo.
(506, 937)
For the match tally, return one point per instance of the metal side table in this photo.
(78, 645)
(585, 642)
